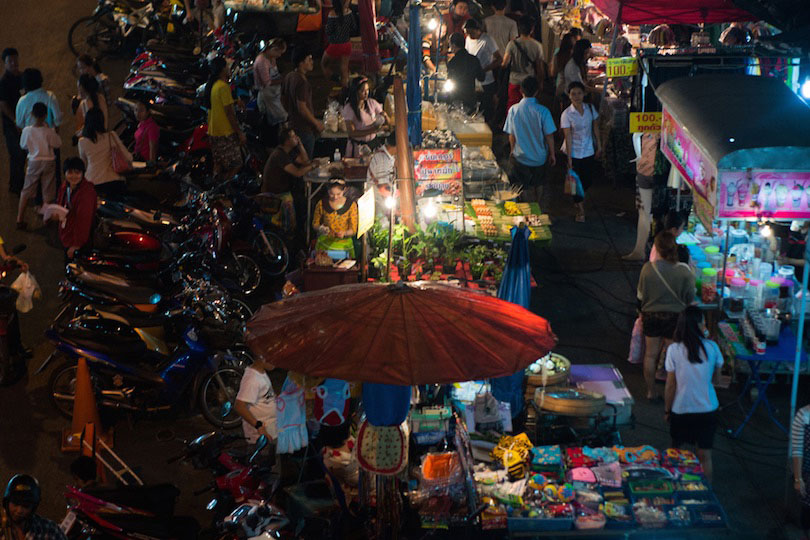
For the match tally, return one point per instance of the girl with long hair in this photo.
(96, 147)
(364, 116)
(693, 367)
(91, 98)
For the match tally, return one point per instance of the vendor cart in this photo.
(746, 158)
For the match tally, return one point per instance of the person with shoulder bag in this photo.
(583, 142)
(665, 288)
(527, 54)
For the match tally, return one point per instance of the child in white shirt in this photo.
(40, 141)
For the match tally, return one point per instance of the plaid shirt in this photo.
(38, 528)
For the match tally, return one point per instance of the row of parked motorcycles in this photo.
(158, 304)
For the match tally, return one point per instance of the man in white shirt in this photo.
(484, 48)
(256, 402)
(381, 173)
(500, 27)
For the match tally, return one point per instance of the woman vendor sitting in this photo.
(335, 219)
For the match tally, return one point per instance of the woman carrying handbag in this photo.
(665, 288)
(583, 144)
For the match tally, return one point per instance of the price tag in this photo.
(646, 122)
(621, 67)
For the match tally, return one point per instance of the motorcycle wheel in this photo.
(249, 273)
(218, 387)
(62, 388)
(241, 310)
(96, 36)
(274, 262)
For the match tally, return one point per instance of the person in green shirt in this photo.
(224, 133)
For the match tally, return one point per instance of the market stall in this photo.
(746, 158)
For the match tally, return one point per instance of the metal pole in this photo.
(364, 259)
(799, 339)
(616, 25)
(723, 277)
(390, 239)
(678, 195)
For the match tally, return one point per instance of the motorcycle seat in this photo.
(104, 336)
(133, 317)
(114, 286)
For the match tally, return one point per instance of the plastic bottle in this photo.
(770, 296)
(336, 156)
(753, 295)
(708, 288)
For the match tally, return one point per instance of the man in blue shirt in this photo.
(32, 84)
(531, 138)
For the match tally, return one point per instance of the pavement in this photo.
(584, 289)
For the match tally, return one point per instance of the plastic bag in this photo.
(636, 355)
(28, 289)
(570, 186)
(577, 189)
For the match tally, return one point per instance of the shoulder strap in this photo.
(666, 284)
(523, 53)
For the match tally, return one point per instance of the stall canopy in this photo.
(740, 121)
(672, 12)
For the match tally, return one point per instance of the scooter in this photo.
(130, 377)
(99, 515)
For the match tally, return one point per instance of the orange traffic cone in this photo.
(84, 409)
(91, 437)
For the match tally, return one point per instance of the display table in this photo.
(503, 223)
(777, 359)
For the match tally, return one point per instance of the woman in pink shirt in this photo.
(364, 117)
(147, 135)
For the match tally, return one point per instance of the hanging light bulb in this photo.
(433, 24)
(766, 230)
(430, 210)
(390, 202)
(449, 85)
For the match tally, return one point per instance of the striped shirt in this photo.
(801, 420)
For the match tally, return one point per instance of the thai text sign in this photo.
(645, 122)
(626, 66)
(438, 169)
(695, 166)
(757, 193)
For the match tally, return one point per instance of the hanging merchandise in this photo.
(383, 450)
(386, 404)
(332, 402)
(291, 418)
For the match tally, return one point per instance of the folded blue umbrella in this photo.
(516, 288)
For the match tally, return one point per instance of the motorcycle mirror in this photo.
(227, 407)
(202, 438)
(261, 443)
(19, 248)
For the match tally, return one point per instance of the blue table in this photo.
(782, 353)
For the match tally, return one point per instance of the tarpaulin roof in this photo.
(673, 11)
(742, 121)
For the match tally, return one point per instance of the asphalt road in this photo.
(30, 427)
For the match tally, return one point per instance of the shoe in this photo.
(22, 226)
(661, 375)
(27, 353)
(580, 218)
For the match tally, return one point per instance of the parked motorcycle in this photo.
(129, 376)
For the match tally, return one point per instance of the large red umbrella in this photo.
(420, 333)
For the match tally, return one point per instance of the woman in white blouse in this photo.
(583, 144)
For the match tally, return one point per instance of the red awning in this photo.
(673, 12)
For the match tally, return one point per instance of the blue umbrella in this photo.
(516, 288)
